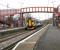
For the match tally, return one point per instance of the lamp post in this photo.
(7, 5)
(21, 4)
(48, 6)
(54, 20)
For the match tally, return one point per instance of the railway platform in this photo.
(50, 41)
(47, 38)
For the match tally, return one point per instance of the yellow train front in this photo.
(30, 23)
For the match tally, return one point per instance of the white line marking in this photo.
(26, 39)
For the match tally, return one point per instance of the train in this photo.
(32, 23)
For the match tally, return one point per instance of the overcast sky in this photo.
(30, 3)
(27, 3)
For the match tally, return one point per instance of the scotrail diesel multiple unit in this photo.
(32, 23)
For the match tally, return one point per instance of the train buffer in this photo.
(45, 39)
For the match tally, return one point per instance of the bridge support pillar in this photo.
(53, 20)
(1, 20)
(21, 19)
(10, 20)
(54, 16)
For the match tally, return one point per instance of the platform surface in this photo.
(49, 41)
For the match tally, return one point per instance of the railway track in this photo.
(8, 32)
(8, 37)
(12, 35)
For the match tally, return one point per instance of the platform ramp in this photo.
(29, 42)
